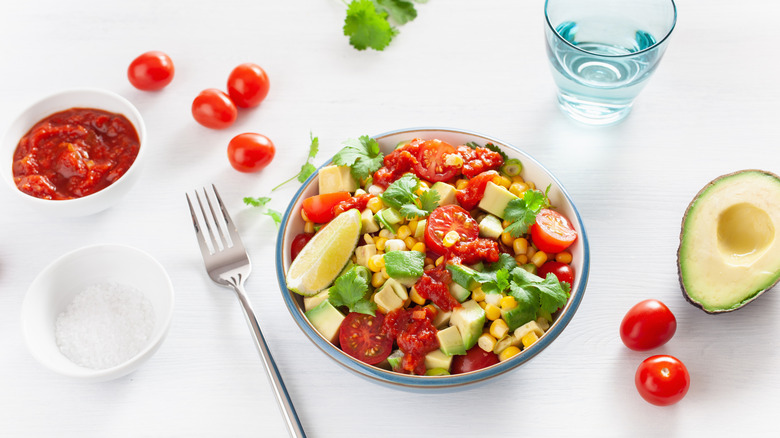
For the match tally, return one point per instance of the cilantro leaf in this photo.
(256, 202)
(552, 294)
(275, 215)
(400, 11)
(522, 212)
(401, 196)
(362, 156)
(497, 149)
(368, 27)
(429, 200)
(350, 290)
(308, 168)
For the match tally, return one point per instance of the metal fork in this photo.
(227, 263)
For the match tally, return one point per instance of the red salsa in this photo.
(74, 153)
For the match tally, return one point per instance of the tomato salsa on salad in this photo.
(74, 153)
(462, 262)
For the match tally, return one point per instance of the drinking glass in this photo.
(602, 53)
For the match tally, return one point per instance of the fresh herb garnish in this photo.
(350, 290)
(368, 21)
(308, 167)
(275, 215)
(362, 156)
(261, 202)
(401, 196)
(491, 146)
(522, 212)
(547, 293)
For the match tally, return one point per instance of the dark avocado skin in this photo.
(679, 248)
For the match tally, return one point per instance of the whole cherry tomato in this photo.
(662, 380)
(647, 325)
(298, 243)
(250, 152)
(474, 359)
(151, 71)
(562, 271)
(552, 232)
(214, 109)
(248, 85)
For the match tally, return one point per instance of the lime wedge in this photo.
(326, 254)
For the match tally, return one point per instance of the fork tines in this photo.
(226, 234)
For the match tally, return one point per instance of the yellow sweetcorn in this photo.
(377, 279)
(375, 204)
(521, 259)
(492, 312)
(376, 263)
(503, 181)
(520, 245)
(413, 225)
(419, 247)
(304, 217)
(529, 339)
(517, 189)
(403, 232)
(461, 184)
(563, 257)
(486, 342)
(508, 353)
(539, 258)
(410, 242)
(415, 296)
(508, 302)
(506, 238)
(517, 179)
(451, 238)
(478, 294)
(308, 227)
(440, 260)
(498, 328)
(380, 243)
(384, 273)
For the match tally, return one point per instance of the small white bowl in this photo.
(79, 98)
(58, 284)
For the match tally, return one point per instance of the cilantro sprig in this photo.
(261, 202)
(363, 157)
(308, 167)
(491, 146)
(350, 290)
(401, 196)
(368, 22)
(522, 212)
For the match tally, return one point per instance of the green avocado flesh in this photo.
(730, 241)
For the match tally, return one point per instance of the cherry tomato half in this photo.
(562, 271)
(248, 85)
(298, 243)
(662, 380)
(250, 152)
(647, 325)
(552, 232)
(430, 161)
(214, 109)
(319, 208)
(474, 359)
(361, 337)
(151, 71)
(445, 219)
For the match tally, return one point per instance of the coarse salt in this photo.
(105, 325)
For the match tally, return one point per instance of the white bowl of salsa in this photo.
(73, 153)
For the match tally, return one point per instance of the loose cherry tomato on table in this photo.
(361, 336)
(647, 325)
(562, 271)
(445, 219)
(214, 109)
(430, 163)
(474, 359)
(552, 232)
(662, 380)
(319, 208)
(248, 85)
(151, 71)
(250, 152)
(298, 243)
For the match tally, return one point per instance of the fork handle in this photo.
(288, 410)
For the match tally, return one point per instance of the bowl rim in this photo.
(405, 381)
(131, 364)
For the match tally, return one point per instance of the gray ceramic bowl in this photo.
(292, 224)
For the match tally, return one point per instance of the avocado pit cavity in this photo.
(745, 232)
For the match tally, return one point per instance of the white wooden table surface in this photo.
(711, 108)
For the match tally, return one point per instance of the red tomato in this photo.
(445, 219)
(250, 152)
(662, 380)
(248, 85)
(647, 325)
(430, 161)
(361, 336)
(298, 243)
(214, 109)
(563, 271)
(552, 232)
(151, 71)
(474, 359)
(469, 196)
(319, 208)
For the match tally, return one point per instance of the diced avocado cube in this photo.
(363, 253)
(479, 266)
(442, 318)
(369, 224)
(387, 300)
(326, 319)
(406, 267)
(495, 199)
(463, 275)
(419, 232)
(531, 326)
(506, 341)
(469, 318)
(437, 372)
(392, 216)
(382, 220)
(336, 179)
(395, 360)
(516, 316)
(490, 227)
(459, 292)
(314, 301)
(446, 193)
(398, 288)
(451, 341)
(438, 359)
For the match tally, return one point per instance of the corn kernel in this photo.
(508, 353)
(368, 239)
(428, 261)
(440, 260)
(539, 258)
(387, 234)
(376, 263)
(377, 280)
(492, 312)
(403, 232)
(520, 245)
(428, 267)
(502, 181)
(419, 247)
(486, 342)
(461, 184)
(563, 257)
(304, 217)
(505, 223)
(308, 227)
(521, 259)
(451, 238)
(380, 243)
(482, 304)
(531, 185)
(478, 294)
(410, 242)
(434, 310)
(518, 189)
(517, 179)
(384, 273)
(453, 160)
(508, 302)
(506, 238)
(413, 225)
(529, 339)
(415, 296)
(531, 251)
(375, 204)
(498, 329)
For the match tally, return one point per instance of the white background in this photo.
(478, 65)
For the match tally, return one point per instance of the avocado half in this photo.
(729, 250)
